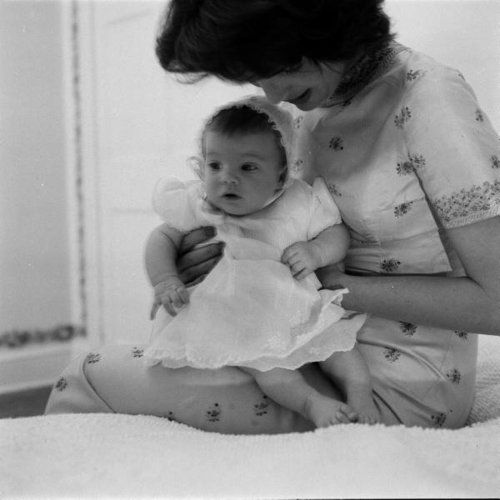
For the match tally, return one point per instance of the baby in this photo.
(261, 308)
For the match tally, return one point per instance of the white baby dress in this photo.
(250, 310)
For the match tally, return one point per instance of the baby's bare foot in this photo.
(324, 411)
(363, 404)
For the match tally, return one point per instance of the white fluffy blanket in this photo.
(93, 455)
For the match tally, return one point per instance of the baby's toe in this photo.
(363, 419)
(347, 415)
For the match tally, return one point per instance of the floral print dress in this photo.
(407, 152)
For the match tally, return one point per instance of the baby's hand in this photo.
(170, 293)
(301, 258)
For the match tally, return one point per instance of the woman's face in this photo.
(307, 88)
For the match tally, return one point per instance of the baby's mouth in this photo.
(231, 196)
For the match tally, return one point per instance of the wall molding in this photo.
(19, 338)
(85, 161)
(71, 74)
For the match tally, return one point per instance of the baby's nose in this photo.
(230, 182)
(229, 179)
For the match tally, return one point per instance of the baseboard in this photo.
(34, 366)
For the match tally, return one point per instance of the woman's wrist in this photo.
(333, 278)
(348, 301)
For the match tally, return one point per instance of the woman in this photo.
(414, 166)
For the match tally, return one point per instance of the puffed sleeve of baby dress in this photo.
(324, 211)
(177, 202)
(452, 147)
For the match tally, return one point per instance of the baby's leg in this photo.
(288, 388)
(350, 374)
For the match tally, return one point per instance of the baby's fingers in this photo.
(183, 295)
(289, 254)
(295, 262)
(154, 310)
(302, 274)
(169, 307)
(175, 299)
(296, 268)
(179, 296)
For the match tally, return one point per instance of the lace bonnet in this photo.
(279, 119)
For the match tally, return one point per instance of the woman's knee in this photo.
(120, 377)
(72, 392)
(88, 383)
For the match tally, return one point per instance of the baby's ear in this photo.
(196, 165)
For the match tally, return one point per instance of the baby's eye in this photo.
(249, 167)
(213, 165)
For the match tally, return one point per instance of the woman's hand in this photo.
(468, 303)
(193, 264)
(332, 277)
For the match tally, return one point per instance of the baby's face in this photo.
(241, 171)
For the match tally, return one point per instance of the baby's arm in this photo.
(329, 247)
(160, 261)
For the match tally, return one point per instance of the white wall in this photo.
(35, 281)
(34, 266)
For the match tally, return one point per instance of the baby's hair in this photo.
(241, 120)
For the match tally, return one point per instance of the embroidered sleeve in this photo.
(452, 147)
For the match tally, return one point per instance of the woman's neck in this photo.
(361, 70)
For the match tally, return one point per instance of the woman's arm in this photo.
(468, 304)
(194, 262)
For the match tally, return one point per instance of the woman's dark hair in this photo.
(242, 120)
(239, 40)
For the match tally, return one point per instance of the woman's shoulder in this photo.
(420, 72)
